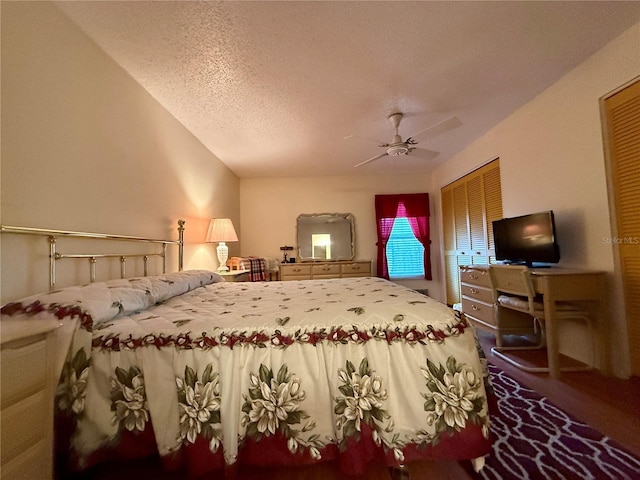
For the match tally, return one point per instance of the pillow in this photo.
(164, 287)
(94, 299)
(105, 301)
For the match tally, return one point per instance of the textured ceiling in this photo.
(273, 88)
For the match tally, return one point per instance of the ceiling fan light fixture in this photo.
(397, 147)
(397, 150)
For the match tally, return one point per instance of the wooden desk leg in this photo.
(577, 287)
(552, 337)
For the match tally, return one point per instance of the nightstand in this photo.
(28, 384)
(477, 296)
(235, 275)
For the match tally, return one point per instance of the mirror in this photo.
(324, 237)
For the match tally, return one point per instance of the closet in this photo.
(622, 116)
(469, 206)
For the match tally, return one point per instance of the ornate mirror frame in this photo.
(325, 237)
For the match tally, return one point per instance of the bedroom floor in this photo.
(609, 404)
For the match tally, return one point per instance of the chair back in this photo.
(512, 280)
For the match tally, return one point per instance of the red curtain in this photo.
(413, 206)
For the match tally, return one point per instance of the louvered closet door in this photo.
(449, 241)
(469, 205)
(623, 120)
(492, 191)
(456, 239)
(477, 225)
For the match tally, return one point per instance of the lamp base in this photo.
(223, 255)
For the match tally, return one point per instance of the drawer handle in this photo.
(325, 269)
(296, 269)
(475, 308)
(474, 290)
(473, 276)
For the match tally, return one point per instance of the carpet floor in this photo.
(535, 440)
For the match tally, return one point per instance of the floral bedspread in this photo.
(210, 374)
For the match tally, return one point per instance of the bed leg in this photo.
(400, 472)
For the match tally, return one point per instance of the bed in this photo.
(209, 375)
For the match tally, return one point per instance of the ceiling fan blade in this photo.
(371, 159)
(350, 137)
(439, 128)
(423, 153)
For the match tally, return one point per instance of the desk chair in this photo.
(515, 298)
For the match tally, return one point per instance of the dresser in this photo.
(27, 399)
(556, 285)
(319, 270)
(477, 296)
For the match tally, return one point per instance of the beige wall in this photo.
(84, 147)
(269, 208)
(552, 157)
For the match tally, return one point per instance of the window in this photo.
(406, 218)
(321, 246)
(404, 252)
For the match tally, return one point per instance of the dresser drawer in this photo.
(475, 276)
(325, 270)
(295, 271)
(34, 463)
(356, 269)
(26, 419)
(24, 369)
(477, 292)
(295, 277)
(481, 311)
(24, 424)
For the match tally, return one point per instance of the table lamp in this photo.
(221, 230)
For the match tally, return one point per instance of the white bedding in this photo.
(266, 372)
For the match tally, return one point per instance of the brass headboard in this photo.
(55, 256)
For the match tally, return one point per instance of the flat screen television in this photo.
(529, 239)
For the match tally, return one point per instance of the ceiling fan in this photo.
(399, 147)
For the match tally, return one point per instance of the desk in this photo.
(570, 285)
(555, 284)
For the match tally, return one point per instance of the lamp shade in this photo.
(221, 230)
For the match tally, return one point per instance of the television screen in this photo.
(527, 239)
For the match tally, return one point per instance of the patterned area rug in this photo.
(538, 441)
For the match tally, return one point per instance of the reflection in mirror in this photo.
(325, 237)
